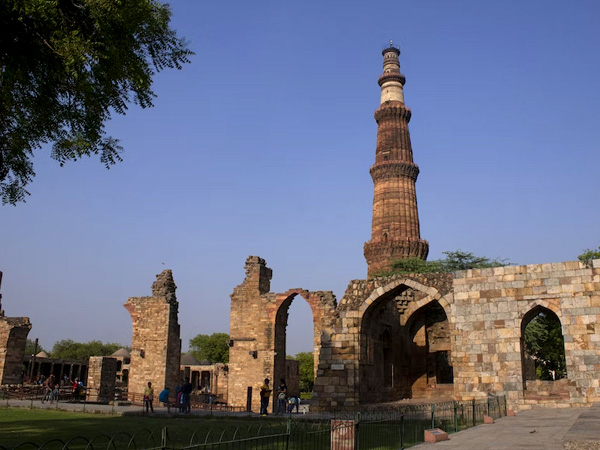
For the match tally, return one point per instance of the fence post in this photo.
(401, 432)
(289, 432)
(505, 406)
(473, 402)
(499, 410)
(432, 416)
(357, 431)
(488, 405)
(455, 417)
(163, 439)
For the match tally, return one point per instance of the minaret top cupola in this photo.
(391, 81)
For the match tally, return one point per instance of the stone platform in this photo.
(548, 429)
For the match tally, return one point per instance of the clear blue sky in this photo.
(262, 146)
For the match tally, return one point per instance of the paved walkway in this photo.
(548, 429)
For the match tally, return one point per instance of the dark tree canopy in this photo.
(68, 349)
(214, 348)
(456, 260)
(65, 67)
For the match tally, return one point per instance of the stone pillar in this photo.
(155, 345)
(102, 373)
(251, 355)
(13, 338)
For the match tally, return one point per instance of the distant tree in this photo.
(213, 347)
(459, 260)
(544, 342)
(307, 370)
(31, 349)
(588, 255)
(456, 260)
(65, 68)
(69, 349)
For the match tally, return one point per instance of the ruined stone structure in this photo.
(257, 331)
(155, 344)
(395, 231)
(102, 371)
(420, 335)
(13, 338)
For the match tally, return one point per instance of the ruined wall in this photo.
(350, 369)
(102, 373)
(13, 338)
(155, 344)
(488, 311)
(257, 331)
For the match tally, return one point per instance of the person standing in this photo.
(148, 397)
(186, 391)
(265, 393)
(281, 396)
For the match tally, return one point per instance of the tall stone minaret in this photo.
(395, 230)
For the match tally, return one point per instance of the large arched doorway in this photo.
(287, 368)
(404, 353)
(543, 354)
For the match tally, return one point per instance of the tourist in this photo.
(186, 390)
(148, 397)
(163, 397)
(265, 393)
(48, 387)
(179, 398)
(55, 393)
(281, 396)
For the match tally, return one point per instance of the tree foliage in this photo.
(454, 260)
(68, 349)
(544, 342)
(65, 67)
(307, 370)
(31, 349)
(213, 347)
(588, 255)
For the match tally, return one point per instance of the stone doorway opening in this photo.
(284, 367)
(405, 352)
(543, 355)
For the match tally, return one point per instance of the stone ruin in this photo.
(13, 339)
(155, 344)
(454, 335)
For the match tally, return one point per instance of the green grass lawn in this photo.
(39, 426)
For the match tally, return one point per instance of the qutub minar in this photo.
(395, 230)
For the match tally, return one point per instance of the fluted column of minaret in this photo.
(395, 231)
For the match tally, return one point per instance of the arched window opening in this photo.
(542, 346)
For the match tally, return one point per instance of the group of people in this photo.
(52, 387)
(285, 403)
(182, 397)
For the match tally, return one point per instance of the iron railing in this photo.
(396, 428)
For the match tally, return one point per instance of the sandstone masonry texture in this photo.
(155, 344)
(13, 338)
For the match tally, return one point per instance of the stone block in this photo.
(488, 420)
(435, 435)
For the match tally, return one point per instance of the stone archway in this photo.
(282, 305)
(542, 372)
(396, 357)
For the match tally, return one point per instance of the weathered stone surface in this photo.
(102, 372)
(155, 344)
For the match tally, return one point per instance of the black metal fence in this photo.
(398, 428)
